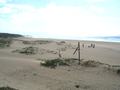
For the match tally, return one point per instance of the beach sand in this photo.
(24, 72)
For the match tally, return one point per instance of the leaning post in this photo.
(79, 53)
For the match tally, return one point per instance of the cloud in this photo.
(2, 15)
(50, 13)
(23, 7)
(2, 1)
(114, 18)
(2, 21)
(95, 0)
(50, 19)
(48, 7)
(97, 8)
(55, 20)
(110, 7)
(6, 10)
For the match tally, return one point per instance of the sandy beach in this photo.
(24, 72)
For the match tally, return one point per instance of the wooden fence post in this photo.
(79, 52)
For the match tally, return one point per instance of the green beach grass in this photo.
(7, 88)
(5, 42)
(27, 50)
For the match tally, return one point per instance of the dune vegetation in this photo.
(7, 88)
(5, 42)
(74, 61)
(27, 50)
(36, 42)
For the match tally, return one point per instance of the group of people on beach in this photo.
(92, 45)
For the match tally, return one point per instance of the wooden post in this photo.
(79, 52)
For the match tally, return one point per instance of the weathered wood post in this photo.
(79, 53)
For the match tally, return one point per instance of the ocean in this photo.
(99, 38)
(107, 38)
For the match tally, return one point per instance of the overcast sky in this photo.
(60, 18)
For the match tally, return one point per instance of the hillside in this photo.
(8, 35)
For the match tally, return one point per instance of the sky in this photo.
(60, 18)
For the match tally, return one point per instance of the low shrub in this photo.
(116, 66)
(69, 59)
(7, 88)
(59, 43)
(5, 42)
(118, 71)
(26, 42)
(48, 51)
(91, 63)
(43, 41)
(37, 42)
(53, 63)
(27, 50)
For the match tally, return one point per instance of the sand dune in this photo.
(24, 72)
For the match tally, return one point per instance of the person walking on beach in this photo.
(93, 45)
(83, 45)
(60, 54)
